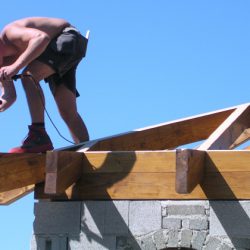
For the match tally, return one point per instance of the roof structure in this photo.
(148, 163)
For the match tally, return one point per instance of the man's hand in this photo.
(7, 72)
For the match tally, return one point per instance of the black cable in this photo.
(20, 76)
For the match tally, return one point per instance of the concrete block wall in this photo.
(149, 225)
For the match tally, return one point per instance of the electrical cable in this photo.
(21, 76)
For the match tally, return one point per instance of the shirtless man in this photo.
(45, 48)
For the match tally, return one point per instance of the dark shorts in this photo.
(63, 54)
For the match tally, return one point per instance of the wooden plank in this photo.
(153, 186)
(190, 169)
(226, 177)
(8, 197)
(229, 131)
(162, 136)
(129, 161)
(20, 170)
(62, 170)
(227, 161)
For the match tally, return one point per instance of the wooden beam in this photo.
(8, 197)
(225, 136)
(162, 136)
(226, 177)
(190, 169)
(63, 168)
(20, 170)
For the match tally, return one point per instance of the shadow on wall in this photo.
(231, 215)
(101, 221)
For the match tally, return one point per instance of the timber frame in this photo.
(149, 163)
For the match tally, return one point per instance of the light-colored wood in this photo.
(129, 161)
(20, 170)
(244, 136)
(229, 161)
(8, 197)
(162, 136)
(229, 131)
(190, 169)
(153, 186)
(62, 170)
(226, 177)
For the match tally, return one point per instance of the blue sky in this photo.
(148, 61)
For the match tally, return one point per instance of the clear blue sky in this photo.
(148, 61)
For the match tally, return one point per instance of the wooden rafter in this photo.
(233, 128)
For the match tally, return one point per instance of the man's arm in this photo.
(31, 42)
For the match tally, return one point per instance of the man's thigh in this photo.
(39, 70)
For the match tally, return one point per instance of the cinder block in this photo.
(198, 223)
(116, 218)
(49, 242)
(161, 239)
(126, 242)
(230, 218)
(171, 223)
(186, 237)
(92, 241)
(93, 214)
(147, 243)
(185, 210)
(213, 243)
(198, 239)
(173, 238)
(144, 217)
(57, 217)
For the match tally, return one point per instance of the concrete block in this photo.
(144, 217)
(198, 239)
(49, 242)
(147, 243)
(213, 243)
(161, 238)
(230, 218)
(173, 238)
(198, 223)
(96, 242)
(225, 247)
(241, 242)
(171, 223)
(166, 203)
(116, 218)
(127, 243)
(186, 237)
(57, 217)
(186, 210)
(93, 214)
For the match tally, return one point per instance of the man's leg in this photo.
(66, 103)
(37, 140)
(33, 91)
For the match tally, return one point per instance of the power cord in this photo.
(20, 76)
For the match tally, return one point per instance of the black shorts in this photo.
(63, 54)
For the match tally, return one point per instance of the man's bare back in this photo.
(21, 42)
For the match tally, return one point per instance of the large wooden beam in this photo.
(190, 169)
(20, 170)
(162, 136)
(129, 175)
(63, 168)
